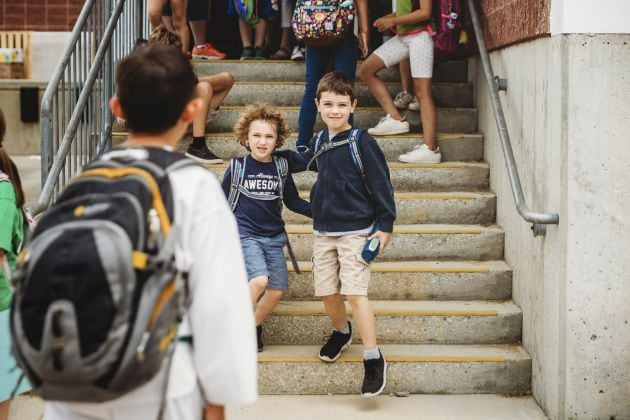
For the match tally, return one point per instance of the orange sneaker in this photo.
(207, 52)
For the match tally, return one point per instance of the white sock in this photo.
(372, 354)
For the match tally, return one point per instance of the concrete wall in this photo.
(21, 138)
(567, 113)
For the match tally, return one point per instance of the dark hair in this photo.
(336, 82)
(154, 82)
(8, 167)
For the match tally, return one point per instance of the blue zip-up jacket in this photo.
(340, 201)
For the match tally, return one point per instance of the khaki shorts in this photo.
(338, 266)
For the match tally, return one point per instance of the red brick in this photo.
(12, 9)
(508, 22)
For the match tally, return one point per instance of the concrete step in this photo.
(450, 120)
(288, 71)
(285, 407)
(420, 280)
(388, 406)
(402, 322)
(454, 147)
(408, 177)
(417, 369)
(447, 207)
(458, 95)
(422, 242)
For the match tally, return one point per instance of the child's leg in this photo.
(405, 76)
(372, 65)
(221, 85)
(428, 113)
(257, 286)
(180, 22)
(267, 304)
(336, 310)
(246, 32)
(363, 317)
(155, 12)
(203, 91)
(278, 282)
(168, 24)
(261, 30)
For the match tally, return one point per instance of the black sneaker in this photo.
(259, 53)
(375, 377)
(203, 155)
(259, 337)
(337, 342)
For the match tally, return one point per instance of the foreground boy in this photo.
(214, 363)
(256, 198)
(347, 210)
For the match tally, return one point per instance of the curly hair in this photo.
(161, 35)
(264, 112)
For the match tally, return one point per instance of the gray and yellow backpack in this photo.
(98, 295)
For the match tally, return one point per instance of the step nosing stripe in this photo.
(404, 232)
(389, 358)
(383, 312)
(411, 270)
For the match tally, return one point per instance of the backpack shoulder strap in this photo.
(237, 174)
(282, 166)
(355, 153)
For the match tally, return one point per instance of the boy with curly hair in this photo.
(256, 185)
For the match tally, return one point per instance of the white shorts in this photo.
(419, 49)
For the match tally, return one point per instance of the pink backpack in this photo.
(448, 23)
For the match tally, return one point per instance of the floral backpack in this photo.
(323, 23)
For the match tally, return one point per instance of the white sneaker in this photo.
(421, 154)
(387, 125)
(414, 105)
(297, 54)
(402, 100)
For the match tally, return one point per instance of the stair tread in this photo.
(407, 308)
(425, 229)
(426, 266)
(437, 353)
(401, 165)
(447, 195)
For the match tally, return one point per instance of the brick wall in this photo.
(508, 22)
(39, 15)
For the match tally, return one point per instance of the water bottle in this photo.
(370, 250)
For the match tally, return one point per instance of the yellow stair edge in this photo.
(390, 358)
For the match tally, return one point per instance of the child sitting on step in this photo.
(256, 185)
(351, 203)
(414, 42)
(212, 90)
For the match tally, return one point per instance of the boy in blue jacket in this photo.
(349, 206)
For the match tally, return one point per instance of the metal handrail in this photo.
(539, 220)
(75, 119)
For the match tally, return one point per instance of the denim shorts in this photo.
(264, 256)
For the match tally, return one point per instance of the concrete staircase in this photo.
(441, 292)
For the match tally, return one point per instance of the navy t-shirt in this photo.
(258, 217)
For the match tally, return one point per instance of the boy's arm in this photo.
(292, 199)
(298, 160)
(378, 182)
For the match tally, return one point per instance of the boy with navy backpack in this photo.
(352, 202)
(139, 240)
(255, 186)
